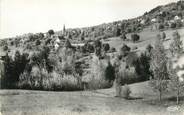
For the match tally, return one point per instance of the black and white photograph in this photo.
(91, 57)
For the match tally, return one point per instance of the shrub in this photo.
(161, 26)
(135, 37)
(118, 32)
(67, 44)
(38, 42)
(106, 47)
(41, 35)
(112, 49)
(5, 48)
(125, 92)
(123, 36)
(109, 72)
(13, 68)
(173, 25)
(149, 48)
(98, 46)
(124, 50)
(142, 67)
(97, 77)
(66, 60)
(42, 80)
(163, 35)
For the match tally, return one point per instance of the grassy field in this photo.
(147, 36)
(142, 102)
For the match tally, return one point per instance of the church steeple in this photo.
(64, 30)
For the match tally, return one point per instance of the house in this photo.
(153, 20)
(142, 21)
(176, 18)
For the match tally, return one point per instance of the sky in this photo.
(31, 16)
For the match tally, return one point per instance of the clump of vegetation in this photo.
(106, 47)
(159, 68)
(13, 67)
(123, 37)
(176, 46)
(124, 50)
(110, 72)
(125, 93)
(135, 37)
(176, 84)
(142, 67)
(98, 46)
(51, 32)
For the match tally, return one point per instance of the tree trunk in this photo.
(160, 96)
(177, 97)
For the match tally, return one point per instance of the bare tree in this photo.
(159, 68)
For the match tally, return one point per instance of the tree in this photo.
(161, 26)
(176, 47)
(98, 46)
(109, 72)
(159, 68)
(106, 47)
(5, 48)
(176, 85)
(51, 32)
(38, 42)
(13, 68)
(123, 36)
(117, 82)
(173, 25)
(124, 50)
(149, 48)
(142, 67)
(163, 36)
(118, 32)
(41, 35)
(135, 37)
(67, 44)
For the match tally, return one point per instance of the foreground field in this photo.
(142, 102)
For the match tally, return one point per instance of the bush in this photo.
(112, 49)
(109, 72)
(106, 47)
(98, 46)
(142, 67)
(97, 79)
(123, 37)
(149, 48)
(38, 42)
(135, 37)
(41, 35)
(173, 25)
(5, 48)
(13, 68)
(161, 26)
(42, 80)
(124, 50)
(125, 92)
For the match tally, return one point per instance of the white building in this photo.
(177, 18)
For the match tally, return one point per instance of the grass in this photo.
(85, 102)
(147, 36)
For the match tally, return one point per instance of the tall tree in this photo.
(159, 68)
(176, 84)
(176, 47)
